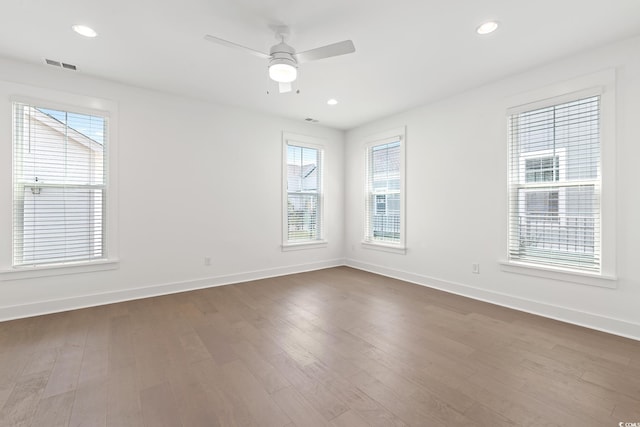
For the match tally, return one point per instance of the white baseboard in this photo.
(589, 320)
(84, 301)
(564, 314)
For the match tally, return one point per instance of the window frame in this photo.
(304, 141)
(50, 99)
(368, 241)
(600, 84)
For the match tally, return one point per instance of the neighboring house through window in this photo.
(59, 193)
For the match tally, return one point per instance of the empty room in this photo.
(336, 213)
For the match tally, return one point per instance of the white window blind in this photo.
(555, 184)
(304, 194)
(59, 191)
(383, 196)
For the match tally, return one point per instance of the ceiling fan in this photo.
(283, 59)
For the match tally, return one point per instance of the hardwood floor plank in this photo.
(5, 391)
(195, 404)
(217, 346)
(483, 416)
(412, 414)
(65, 372)
(90, 404)
(123, 398)
(40, 361)
(54, 411)
(95, 358)
(159, 406)
(352, 395)
(448, 385)
(617, 383)
(258, 340)
(515, 404)
(121, 352)
(625, 413)
(297, 408)
(448, 401)
(193, 347)
(152, 358)
(271, 380)
(349, 419)
(22, 403)
(260, 404)
(229, 408)
(324, 401)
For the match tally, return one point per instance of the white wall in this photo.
(177, 157)
(456, 197)
(195, 180)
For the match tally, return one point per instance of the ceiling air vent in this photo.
(52, 62)
(60, 64)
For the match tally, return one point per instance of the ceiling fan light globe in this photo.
(283, 73)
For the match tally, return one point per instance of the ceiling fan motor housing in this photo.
(283, 64)
(285, 52)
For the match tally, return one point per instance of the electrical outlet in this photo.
(207, 261)
(475, 268)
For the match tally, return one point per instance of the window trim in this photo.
(602, 83)
(85, 105)
(381, 138)
(316, 143)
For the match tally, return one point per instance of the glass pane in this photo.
(61, 224)
(302, 217)
(385, 167)
(302, 169)
(385, 219)
(542, 169)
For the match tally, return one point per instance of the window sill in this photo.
(305, 245)
(29, 272)
(396, 249)
(591, 279)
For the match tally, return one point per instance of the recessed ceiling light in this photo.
(83, 30)
(332, 101)
(487, 27)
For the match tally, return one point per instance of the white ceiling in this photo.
(408, 52)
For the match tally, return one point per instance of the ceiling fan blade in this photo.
(336, 49)
(227, 43)
(284, 87)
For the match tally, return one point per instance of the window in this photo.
(542, 169)
(384, 190)
(59, 192)
(304, 193)
(555, 185)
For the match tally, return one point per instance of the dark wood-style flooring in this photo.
(336, 347)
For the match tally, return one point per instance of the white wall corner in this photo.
(83, 301)
(589, 320)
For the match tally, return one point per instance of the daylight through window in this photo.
(304, 194)
(554, 200)
(59, 192)
(383, 181)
